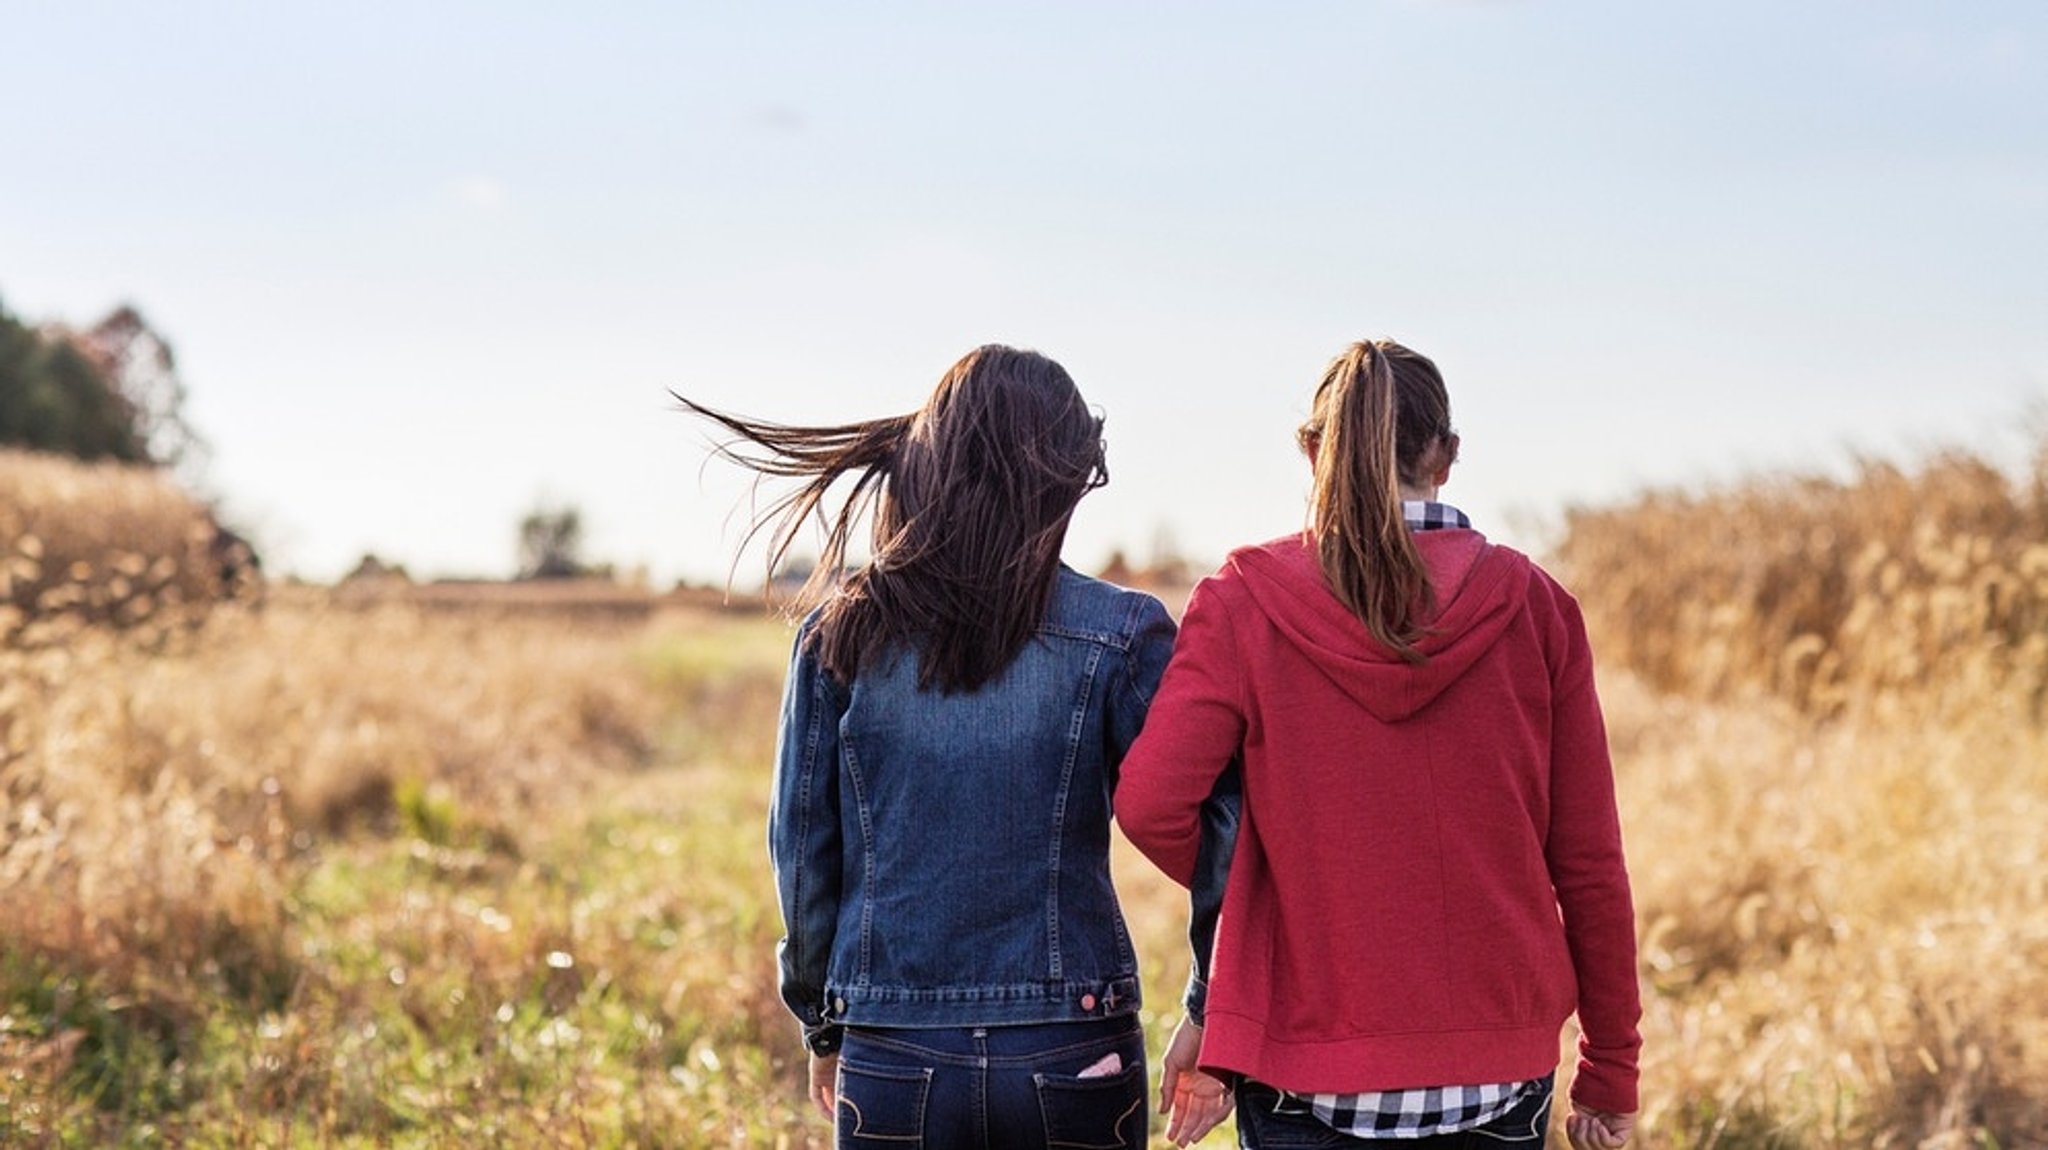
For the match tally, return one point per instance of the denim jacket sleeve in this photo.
(804, 837)
(1130, 694)
(1220, 813)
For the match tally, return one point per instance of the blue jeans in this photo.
(1270, 1120)
(993, 1087)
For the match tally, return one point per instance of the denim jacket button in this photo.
(839, 1006)
(1087, 1002)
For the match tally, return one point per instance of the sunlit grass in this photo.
(1838, 809)
(103, 545)
(318, 875)
(386, 877)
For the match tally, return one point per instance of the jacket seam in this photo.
(803, 830)
(1075, 725)
(867, 865)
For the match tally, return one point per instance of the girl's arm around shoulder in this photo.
(1194, 728)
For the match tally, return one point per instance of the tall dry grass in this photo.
(1926, 584)
(1844, 929)
(377, 872)
(105, 544)
(319, 874)
(1827, 709)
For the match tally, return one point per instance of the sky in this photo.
(429, 267)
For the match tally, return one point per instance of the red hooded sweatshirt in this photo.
(1428, 877)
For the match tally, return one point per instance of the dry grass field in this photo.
(105, 545)
(324, 871)
(1827, 707)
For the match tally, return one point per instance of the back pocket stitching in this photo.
(1093, 1086)
(922, 1077)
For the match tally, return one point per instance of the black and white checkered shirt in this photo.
(1422, 1111)
(1430, 515)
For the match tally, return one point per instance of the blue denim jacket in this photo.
(1221, 813)
(943, 860)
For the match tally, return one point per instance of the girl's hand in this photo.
(1598, 1129)
(1193, 1101)
(825, 1084)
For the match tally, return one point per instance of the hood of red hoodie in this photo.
(1480, 588)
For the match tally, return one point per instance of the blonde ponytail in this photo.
(1378, 411)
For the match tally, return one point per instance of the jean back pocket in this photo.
(1103, 1113)
(882, 1105)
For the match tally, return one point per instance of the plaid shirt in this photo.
(1427, 1110)
(1429, 516)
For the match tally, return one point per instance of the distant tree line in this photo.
(551, 544)
(109, 391)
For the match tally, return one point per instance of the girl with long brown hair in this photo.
(1428, 876)
(956, 712)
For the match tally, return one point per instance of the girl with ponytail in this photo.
(955, 715)
(1380, 429)
(1427, 879)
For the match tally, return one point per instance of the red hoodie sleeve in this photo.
(1589, 873)
(1194, 729)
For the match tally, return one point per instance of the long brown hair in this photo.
(1381, 418)
(969, 497)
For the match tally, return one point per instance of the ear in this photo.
(1448, 455)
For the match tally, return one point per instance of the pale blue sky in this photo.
(426, 265)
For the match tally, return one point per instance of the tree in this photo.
(138, 366)
(109, 392)
(551, 543)
(53, 398)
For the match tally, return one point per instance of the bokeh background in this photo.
(427, 266)
(386, 713)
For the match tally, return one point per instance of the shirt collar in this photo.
(1430, 515)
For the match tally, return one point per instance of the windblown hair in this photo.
(969, 499)
(1381, 418)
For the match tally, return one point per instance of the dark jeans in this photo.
(1269, 1120)
(993, 1088)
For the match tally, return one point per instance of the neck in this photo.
(1421, 494)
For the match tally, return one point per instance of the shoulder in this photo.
(1556, 614)
(1227, 595)
(1086, 607)
(1287, 559)
(1545, 589)
(1294, 548)
(805, 636)
(1288, 553)
(1551, 606)
(807, 671)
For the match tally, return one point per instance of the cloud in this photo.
(1995, 55)
(480, 193)
(779, 118)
